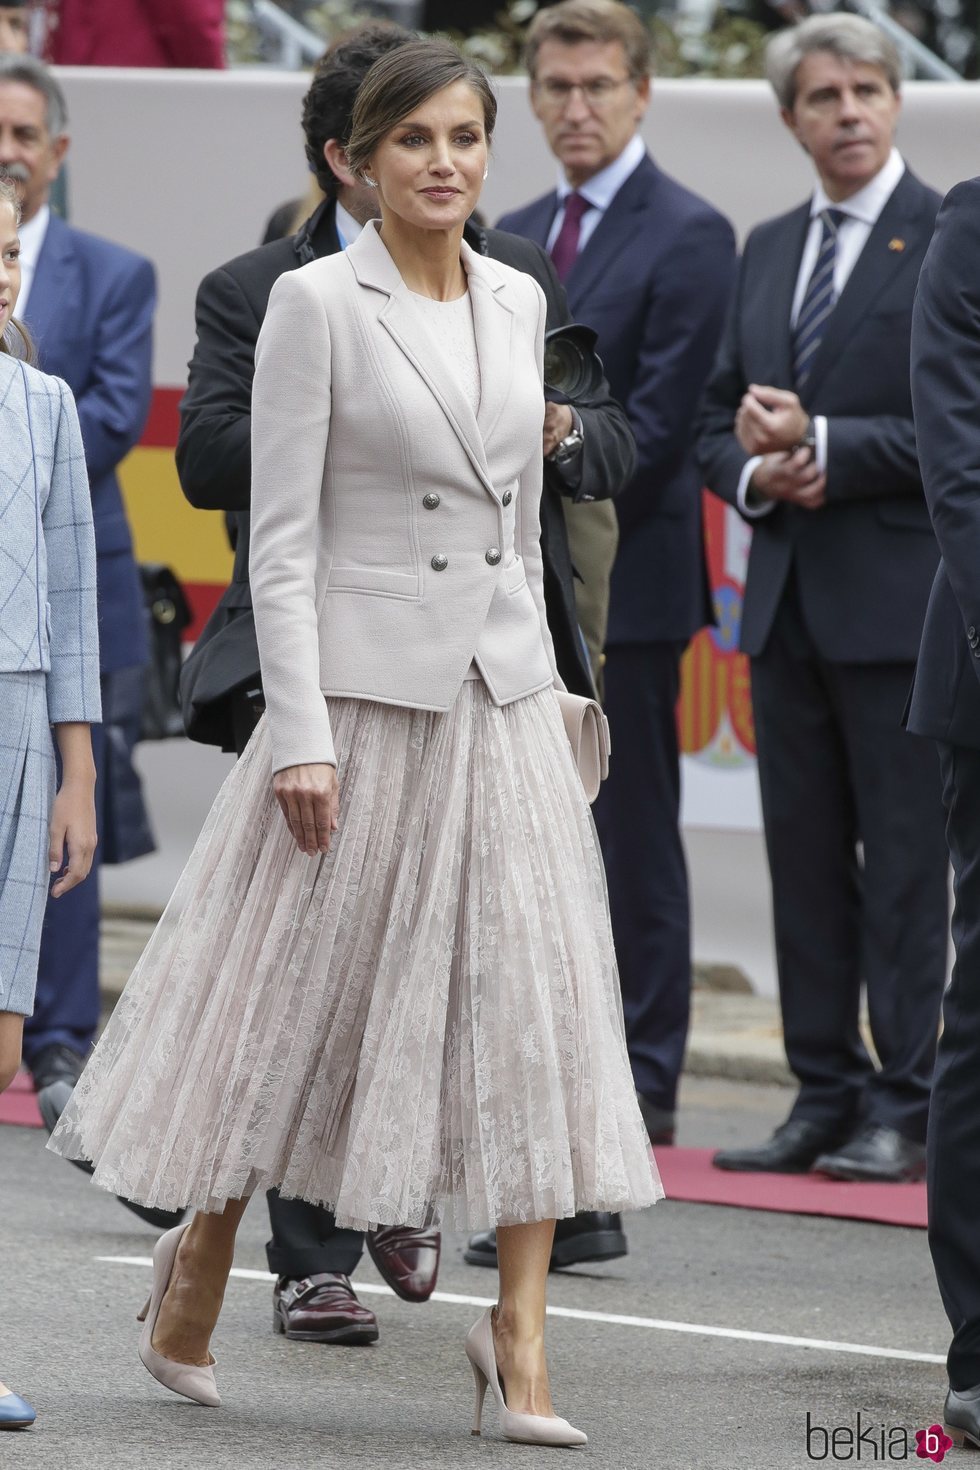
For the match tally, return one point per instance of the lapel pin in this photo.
(896, 244)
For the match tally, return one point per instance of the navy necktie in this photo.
(819, 299)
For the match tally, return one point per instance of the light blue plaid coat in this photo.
(48, 617)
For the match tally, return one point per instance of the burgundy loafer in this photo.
(407, 1259)
(322, 1308)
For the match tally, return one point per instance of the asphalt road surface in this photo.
(716, 1342)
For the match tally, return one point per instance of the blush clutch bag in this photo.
(588, 735)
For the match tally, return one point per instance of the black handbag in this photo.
(167, 614)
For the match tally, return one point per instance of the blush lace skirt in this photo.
(425, 1020)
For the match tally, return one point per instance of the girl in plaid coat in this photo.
(49, 666)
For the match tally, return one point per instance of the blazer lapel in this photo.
(875, 268)
(51, 290)
(405, 324)
(493, 321)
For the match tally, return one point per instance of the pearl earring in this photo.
(486, 172)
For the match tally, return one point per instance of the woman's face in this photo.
(429, 169)
(9, 262)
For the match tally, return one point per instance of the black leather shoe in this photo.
(591, 1236)
(56, 1063)
(793, 1149)
(52, 1101)
(877, 1155)
(660, 1122)
(961, 1417)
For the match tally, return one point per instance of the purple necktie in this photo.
(565, 248)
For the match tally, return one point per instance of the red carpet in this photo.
(18, 1104)
(688, 1175)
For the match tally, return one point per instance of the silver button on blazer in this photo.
(376, 493)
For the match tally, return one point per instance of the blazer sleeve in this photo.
(871, 457)
(946, 392)
(608, 457)
(721, 458)
(680, 337)
(69, 542)
(214, 448)
(290, 428)
(113, 406)
(528, 526)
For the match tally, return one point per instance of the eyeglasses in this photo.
(598, 92)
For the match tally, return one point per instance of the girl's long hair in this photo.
(15, 338)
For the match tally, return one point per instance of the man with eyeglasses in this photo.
(650, 267)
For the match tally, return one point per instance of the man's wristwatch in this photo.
(568, 447)
(809, 437)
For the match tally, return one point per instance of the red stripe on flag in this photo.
(164, 420)
(203, 598)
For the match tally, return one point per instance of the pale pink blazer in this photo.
(395, 535)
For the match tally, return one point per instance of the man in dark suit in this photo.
(222, 691)
(649, 266)
(807, 428)
(89, 306)
(946, 706)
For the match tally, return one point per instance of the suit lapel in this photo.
(537, 219)
(876, 267)
(782, 270)
(405, 324)
(51, 289)
(626, 215)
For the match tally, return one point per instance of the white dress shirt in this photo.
(598, 192)
(347, 226)
(862, 211)
(31, 235)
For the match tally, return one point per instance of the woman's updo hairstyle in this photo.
(402, 81)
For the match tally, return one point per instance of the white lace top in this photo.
(451, 324)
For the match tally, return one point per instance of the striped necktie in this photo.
(819, 298)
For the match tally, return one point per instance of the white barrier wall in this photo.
(186, 167)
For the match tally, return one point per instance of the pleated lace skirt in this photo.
(426, 1020)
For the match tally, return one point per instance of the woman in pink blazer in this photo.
(386, 981)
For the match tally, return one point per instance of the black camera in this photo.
(572, 366)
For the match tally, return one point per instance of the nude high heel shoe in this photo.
(522, 1428)
(189, 1379)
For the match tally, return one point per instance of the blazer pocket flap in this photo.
(373, 579)
(515, 575)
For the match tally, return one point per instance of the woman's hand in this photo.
(309, 798)
(73, 826)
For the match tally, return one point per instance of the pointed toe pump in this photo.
(189, 1379)
(15, 1412)
(521, 1428)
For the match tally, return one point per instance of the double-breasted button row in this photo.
(440, 561)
